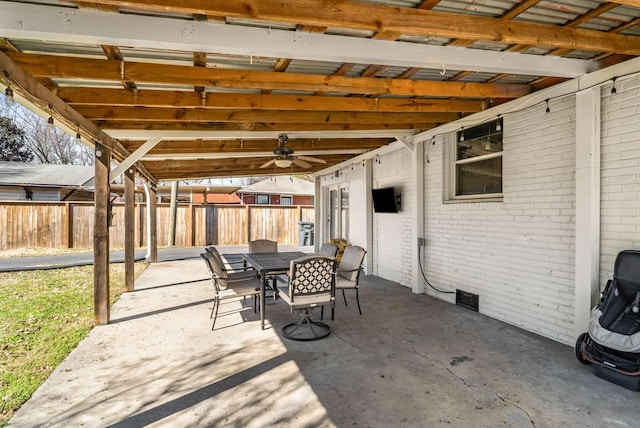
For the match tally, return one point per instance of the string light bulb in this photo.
(614, 91)
(462, 134)
(8, 93)
(498, 126)
(50, 120)
(78, 136)
(548, 110)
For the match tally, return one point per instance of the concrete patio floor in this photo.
(408, 361)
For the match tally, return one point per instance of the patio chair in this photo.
(263, 246)
(226, 288)
(235, 270)
(328, 249)
(267, 246)
(348, 274)
(311, 284)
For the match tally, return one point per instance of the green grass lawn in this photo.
(43, 316)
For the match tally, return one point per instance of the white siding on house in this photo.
(46, 195)
(18, 194)
(11, 194)
(620, 173)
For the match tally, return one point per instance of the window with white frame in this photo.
(286, 200)
(475, 165)
(262, 199)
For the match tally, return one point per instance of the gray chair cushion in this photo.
(351, 261)
(263, 246)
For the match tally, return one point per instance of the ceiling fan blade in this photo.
(266, 164)
(312, 159)
(301, 163)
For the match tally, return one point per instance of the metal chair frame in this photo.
(346, 268)
(311, 284)
(227, 288)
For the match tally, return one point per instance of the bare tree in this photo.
(48, 145)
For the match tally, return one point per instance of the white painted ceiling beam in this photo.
(60, 24)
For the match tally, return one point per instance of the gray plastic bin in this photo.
(305, 233)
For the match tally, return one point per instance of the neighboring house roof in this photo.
(45, 175)
(281, 185)
(216, 198)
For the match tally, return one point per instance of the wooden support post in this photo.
(101, 236)
(70, 228)
(173, 215)
(141, 224)
(153, 224)
(247, 211)
(192, 210)
(129, 230)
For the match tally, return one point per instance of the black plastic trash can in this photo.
(305, 233)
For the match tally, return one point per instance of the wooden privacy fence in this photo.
(70, 224)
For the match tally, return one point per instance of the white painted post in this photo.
(368, 184)
(587, 251)
(417, 214)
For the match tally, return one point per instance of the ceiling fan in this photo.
(284, 156)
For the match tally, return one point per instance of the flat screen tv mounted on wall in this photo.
(384, 200)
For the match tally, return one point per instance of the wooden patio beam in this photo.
(254, 126)
(378, 18)
(239, 101)
(248, 146)
(168, 115)
(228, 167)
(51, 66)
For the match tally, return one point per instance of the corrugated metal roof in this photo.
(260, 23)
(481, 8)
(48, 47)
(313, 67)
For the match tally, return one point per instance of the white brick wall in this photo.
(620, 173)
(392, 233)
(517, 255)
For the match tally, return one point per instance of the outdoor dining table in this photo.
(270, 264)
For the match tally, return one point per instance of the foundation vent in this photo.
(467, 300)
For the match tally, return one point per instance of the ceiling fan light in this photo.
(283, 163)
